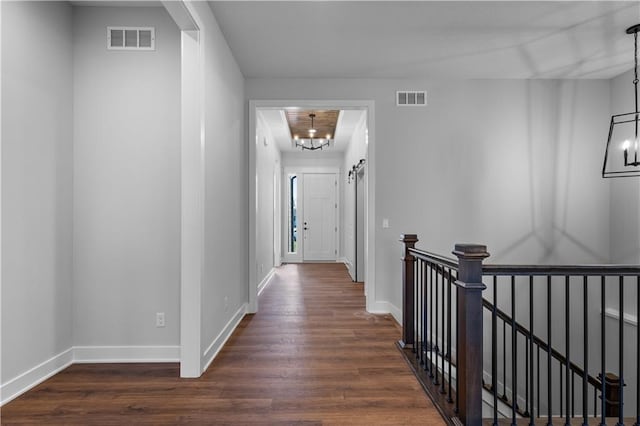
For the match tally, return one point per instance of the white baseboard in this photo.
(503, 409)
(346, 261)
(111, 354)
(38, 374)
(212, 351)
(265, 281)
(122, 354)
(382, 307)
(630, 319)
(83, 355)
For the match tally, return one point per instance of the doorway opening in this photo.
(322, 217)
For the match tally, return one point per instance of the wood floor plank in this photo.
(312, 355)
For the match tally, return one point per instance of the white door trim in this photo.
(370, 217)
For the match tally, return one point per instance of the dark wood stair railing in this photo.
(447, 355)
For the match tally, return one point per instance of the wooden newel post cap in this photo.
(408, 238)
(471, 251)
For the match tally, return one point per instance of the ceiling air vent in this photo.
(131, 38)
(411, 98)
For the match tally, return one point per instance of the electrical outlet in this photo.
(159, 319)
(226, 303)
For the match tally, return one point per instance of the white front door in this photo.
(320, 212)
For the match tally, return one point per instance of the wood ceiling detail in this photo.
(325, 122)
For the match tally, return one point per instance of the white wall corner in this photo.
(122, 354)
(33, 377)
(218, 343)
(266, 281)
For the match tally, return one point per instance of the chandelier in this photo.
(621, 155)
(311, 143)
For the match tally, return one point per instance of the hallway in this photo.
(312, 355)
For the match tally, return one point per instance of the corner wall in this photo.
(37, 199)
(224, 289)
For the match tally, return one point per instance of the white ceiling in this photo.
(275, 120)
(429, 39)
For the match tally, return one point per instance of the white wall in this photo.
(356, 150)
(508, 180)
(625, 192)
(268, 165)
(37, 175)
(127, 181)
(315, 159)
(224, 290)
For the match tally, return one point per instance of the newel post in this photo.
(469, 351)
(408, 260)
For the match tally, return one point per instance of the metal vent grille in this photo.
(131, 38)
(411, 98)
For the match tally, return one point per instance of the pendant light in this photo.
(308, 143)
(622, 156)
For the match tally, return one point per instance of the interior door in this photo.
(320, 211)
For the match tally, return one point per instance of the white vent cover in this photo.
(131, 38)
(411, 98)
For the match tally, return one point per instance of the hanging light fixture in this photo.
(621, 158)
(311, 143)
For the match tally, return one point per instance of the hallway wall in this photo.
(522, 166)
(356, 150)
(127, 183)
(37, 199)
(268, 163)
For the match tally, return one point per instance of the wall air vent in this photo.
(411, 98)
(131, 38)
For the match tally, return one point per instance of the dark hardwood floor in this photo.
(312, 355)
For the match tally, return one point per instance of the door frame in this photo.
(370, 215)
(300, 171)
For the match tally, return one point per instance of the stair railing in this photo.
(562, 327)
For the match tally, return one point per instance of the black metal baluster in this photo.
(504, 361)
(530, 354)
(568, 346)
(514, 353)
(621, 350)
(561, 389)
(449, 284)
(603, 349)
(549, 387)
(538, 374)
(573, 394)
(443, 326)
(585, 376)
(416, 342)
(423, 316)
(494, 350)
(437, 302)
(419, 341)
(431, 322)
(457, 346)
